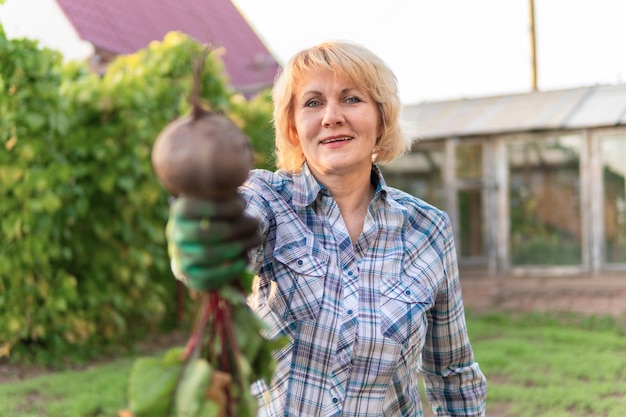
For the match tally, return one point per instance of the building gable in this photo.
(125, 26)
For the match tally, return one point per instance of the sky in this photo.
(438, 49)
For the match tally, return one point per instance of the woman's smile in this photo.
(335, 140)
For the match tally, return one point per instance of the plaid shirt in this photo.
(366, 319)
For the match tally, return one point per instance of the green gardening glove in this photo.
(208, 241)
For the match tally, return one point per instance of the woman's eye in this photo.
(352, 100)
(312, 103)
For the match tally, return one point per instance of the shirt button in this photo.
(350, 312)
(300, 262)
(350, 273)
(408, 292)
(335, 400)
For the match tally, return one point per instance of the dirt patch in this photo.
(35, 402)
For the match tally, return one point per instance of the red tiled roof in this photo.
(125, 26)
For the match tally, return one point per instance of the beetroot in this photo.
(202, 155)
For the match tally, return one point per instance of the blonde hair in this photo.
(343, 59)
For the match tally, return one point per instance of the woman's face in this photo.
(337, 123)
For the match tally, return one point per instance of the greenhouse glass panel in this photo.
(471, 223)
(613, 156)
(544, 201)
(469, 161)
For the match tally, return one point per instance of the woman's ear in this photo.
(294, 138)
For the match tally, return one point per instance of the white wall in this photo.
(43, 20)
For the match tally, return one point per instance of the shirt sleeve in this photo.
(255, 208)
(455, 385)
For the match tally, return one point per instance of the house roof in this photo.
(125, 26)
(585, 107)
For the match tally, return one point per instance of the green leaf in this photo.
(191, 392)
(151, 386)
(209, 409)
(50, 202)
(9, 175)
(174, 356)
(34, 120)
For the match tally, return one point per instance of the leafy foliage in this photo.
(83, 262)
(254, 118)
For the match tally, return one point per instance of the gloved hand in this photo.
(208, 241)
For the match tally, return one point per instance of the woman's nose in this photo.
(332, 115)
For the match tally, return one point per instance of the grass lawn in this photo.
(552, 366)
(99, 391)
(537, 365)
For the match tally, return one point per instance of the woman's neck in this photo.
(353, 195)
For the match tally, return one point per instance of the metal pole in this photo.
(533, 45)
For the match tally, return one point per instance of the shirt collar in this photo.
(381, 186)
(306, 188)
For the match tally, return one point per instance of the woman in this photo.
(361, 277)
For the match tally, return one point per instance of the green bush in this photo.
(83, 262)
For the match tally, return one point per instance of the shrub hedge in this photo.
(83, 261)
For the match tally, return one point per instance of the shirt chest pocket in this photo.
(298, 286)
(403, 308)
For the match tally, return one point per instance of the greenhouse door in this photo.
(468, 201)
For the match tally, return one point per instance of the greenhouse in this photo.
(534, 183)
